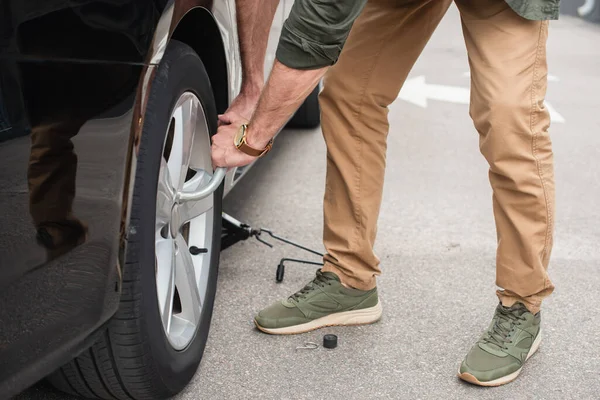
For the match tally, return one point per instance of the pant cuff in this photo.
(351, 281)
(508, 299)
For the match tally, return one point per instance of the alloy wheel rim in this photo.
(182, 277)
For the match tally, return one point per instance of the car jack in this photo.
(234, 231)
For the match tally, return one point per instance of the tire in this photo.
(590, 12)
(308, 116)
(134, 358)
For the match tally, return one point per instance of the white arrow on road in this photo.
(554, 115)
(417, 92)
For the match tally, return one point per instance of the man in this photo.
(506, 44)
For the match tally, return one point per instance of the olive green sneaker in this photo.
(322, 302)
(498, 356)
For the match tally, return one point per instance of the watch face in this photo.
(239, 137)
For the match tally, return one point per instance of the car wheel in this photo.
(308, 116)
(153, 345)
(590, 10)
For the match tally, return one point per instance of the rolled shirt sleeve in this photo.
(315, 32)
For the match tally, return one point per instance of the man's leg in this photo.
(507, 55)
(51, 180)
(55, 117)
(380, 51)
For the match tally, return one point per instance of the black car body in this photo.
(80, 85)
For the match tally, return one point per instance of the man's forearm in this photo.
(254, 18)
(284, 92)
(311, 40)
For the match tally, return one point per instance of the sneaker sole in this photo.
(505, 379)
(346, 318)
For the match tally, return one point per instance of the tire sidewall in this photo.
(180, 70)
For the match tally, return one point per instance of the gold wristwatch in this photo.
(244, 147)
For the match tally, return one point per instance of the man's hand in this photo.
(242, 106)
(224, 152)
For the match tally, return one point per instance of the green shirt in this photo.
(315, 31)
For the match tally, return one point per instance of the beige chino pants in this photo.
(507, 57)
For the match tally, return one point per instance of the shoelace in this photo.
(319, 281)
(499, 333)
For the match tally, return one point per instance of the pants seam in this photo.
(358, 163)
(534, 133)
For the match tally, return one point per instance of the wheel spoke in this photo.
(165, 196)
(201, 235)
(200, 159)
(187, 283)
(192, 209)
(184, 122)
(165, 280)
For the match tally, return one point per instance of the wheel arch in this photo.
(199, 30)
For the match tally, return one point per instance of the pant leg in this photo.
(507, 56)
(51, 173)
(56, 113)
(382, 47)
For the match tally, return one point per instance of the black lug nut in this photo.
(330, 341)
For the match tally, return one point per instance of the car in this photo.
(111, 212)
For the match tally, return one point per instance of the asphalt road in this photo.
(436, 241)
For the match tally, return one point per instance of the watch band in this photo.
(244, 147)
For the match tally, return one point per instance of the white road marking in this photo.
(417, 92)
(554, 115)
